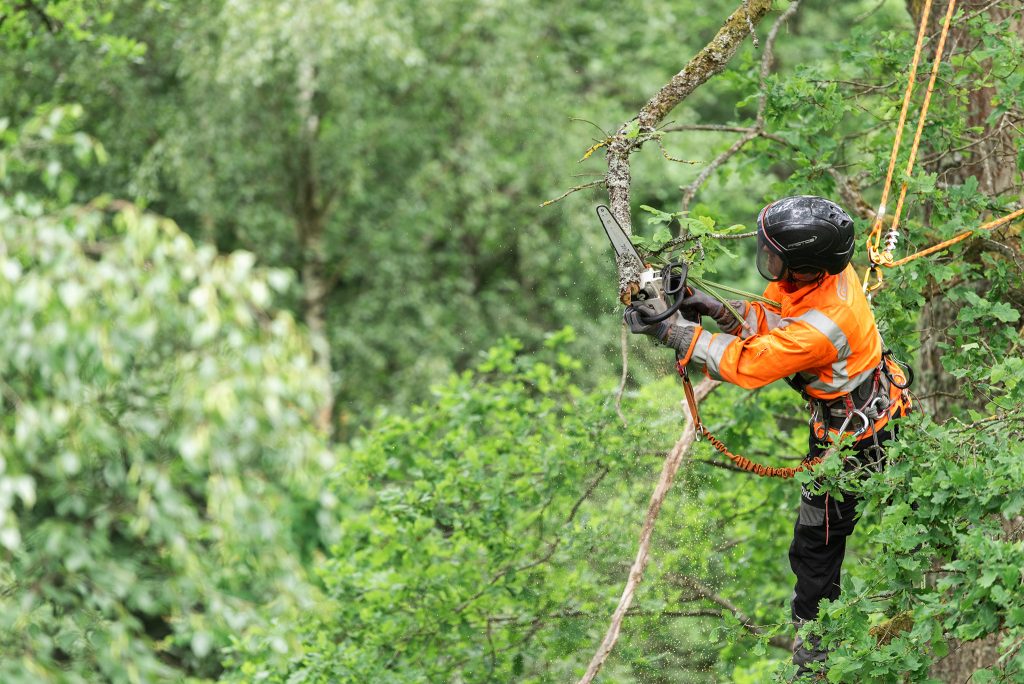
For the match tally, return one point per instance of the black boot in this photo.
(809, 656)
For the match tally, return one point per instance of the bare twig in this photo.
(592, 184)
(604, 133)
(861, 88)
(623, 342)
(586, 494)
(690, 190)
(750, 25)
(664, 153)
(867, 14)
(732, 236)
(673, 462)
(708, 127)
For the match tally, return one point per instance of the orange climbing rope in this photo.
(876, 232)
(922, 117)
(877, 257)
(962, 236)
(742, 462)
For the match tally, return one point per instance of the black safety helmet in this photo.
(803, 234)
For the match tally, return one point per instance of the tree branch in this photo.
(673, 462)
(704, 591)
(690, 190)
(591, 184)
(755, 131)
(711, 60)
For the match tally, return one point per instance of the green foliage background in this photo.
(302, 384)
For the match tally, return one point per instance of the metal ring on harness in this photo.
(877, 407)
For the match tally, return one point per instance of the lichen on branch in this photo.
(711, 60)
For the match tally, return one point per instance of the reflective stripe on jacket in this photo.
(824, 332)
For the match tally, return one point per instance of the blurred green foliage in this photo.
(170, 509)
(156, 433)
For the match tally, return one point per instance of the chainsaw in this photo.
(649, 284)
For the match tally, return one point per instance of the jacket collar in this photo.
(793, 293)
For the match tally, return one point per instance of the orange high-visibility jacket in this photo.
(824, 333)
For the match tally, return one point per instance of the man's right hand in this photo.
(636, 313)
(675, 332)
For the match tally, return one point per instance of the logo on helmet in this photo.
(803, 242)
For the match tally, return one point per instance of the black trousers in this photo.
(821, 530)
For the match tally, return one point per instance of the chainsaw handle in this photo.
(664, 315)
(674, 285)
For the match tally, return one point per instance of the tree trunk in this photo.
(310, 210)
(993, 162)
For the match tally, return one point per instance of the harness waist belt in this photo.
(871, 397)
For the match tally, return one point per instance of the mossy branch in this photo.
(710, 61)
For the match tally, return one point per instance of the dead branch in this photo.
(673, 462)
(704, 591)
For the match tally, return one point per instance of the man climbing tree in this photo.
(822, 339)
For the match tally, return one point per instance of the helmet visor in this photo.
(769, 262)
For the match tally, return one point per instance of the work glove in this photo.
(636, 312)
(674, 332)
(704, 304)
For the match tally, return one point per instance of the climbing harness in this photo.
(872, 403)
(879, 258)
(879, 405)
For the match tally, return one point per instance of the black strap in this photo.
(799, 384)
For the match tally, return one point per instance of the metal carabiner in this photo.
(849, 417)
(877, 407)
(869, 288)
